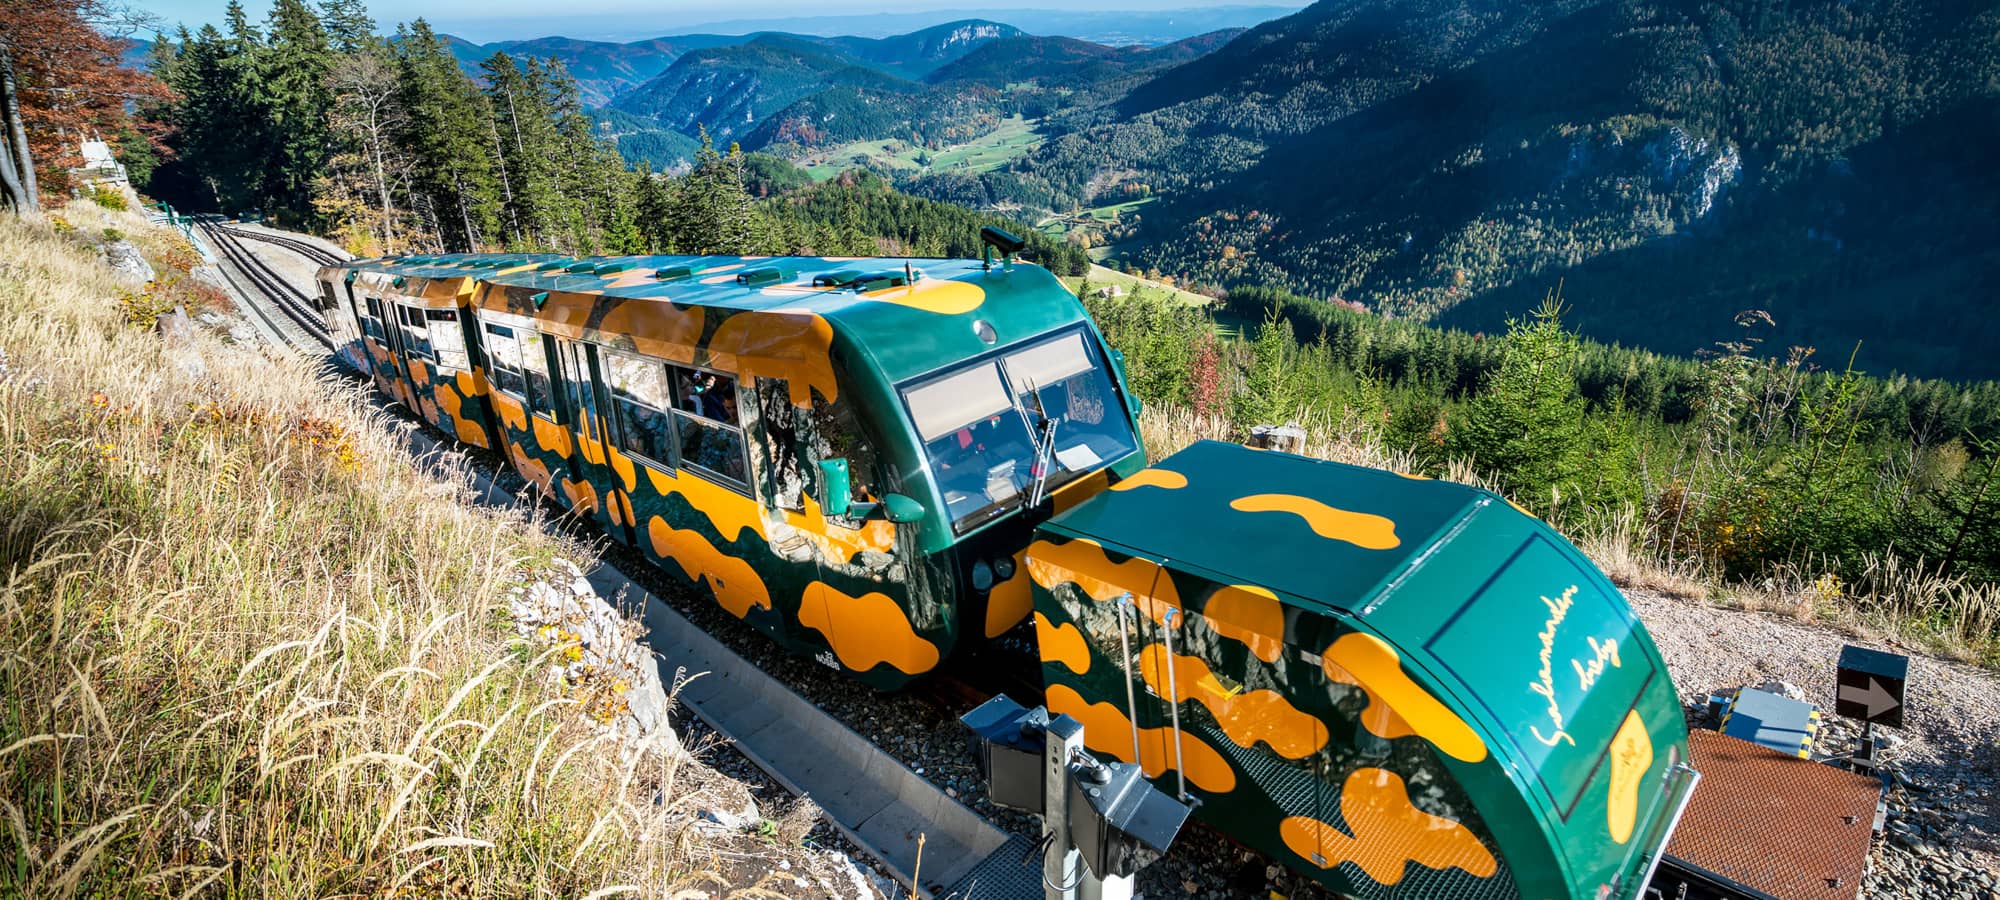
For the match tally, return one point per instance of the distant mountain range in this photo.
(1115, 27)
(1671, 164)
(906, 45)
(937, 87)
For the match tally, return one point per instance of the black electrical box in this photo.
(1118, 820)
(1008, 740)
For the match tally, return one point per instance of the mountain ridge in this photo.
(1670, 165)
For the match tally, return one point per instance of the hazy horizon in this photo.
(628, 20)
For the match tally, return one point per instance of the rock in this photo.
(128, 263)
(1783, 689)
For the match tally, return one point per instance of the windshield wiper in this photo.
(1045, 452)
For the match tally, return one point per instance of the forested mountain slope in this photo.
(1675, 161)
(728, 89)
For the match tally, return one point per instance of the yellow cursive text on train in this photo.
(1545, 684)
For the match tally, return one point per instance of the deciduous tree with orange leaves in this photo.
(60, 81)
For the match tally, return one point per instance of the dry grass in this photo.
(249, 649)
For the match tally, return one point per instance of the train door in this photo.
(595, 485)
(397, 371)
(419, 363)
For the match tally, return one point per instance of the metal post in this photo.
(1125, 649)
(1174, 701)
(1116, 887)
(1062, 865)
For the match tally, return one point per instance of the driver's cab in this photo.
(1005, 431)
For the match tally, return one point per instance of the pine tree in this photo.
(294, 71)
(711, 212)
(349, 28)
(1524, 431)
(452, 179)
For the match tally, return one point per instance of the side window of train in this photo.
(503, 360)
(418, 334)
(711, 437)
(792, 474)
(446, 339)
(837, 434)
(535, 367)
(639, 403)
(371, 319)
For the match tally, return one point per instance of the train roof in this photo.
(909, 315)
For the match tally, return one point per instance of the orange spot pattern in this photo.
(1389, 833)
(551, 437)
(531, 468)
(731, 513)
(511, 412)
(1079, 490)
(1398, 706)
(1631, 756)
(657, 328)
(734, 583)
(866, 631)
(1246, 716)
(792, 346)
(1062, 643)
(1009, 601)
(468, 431)
(1082, 562)
(1107, 730)
(1250, 615)
(582, 495)
(1365, 530)
(1164, 479)
(946, 298)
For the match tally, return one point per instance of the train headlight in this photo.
(1004, 567)
(982, 576)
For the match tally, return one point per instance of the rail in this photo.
(295, 307)
(306, 249)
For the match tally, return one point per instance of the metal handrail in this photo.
(1125, 649)
(1174, 700)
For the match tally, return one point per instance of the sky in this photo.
(487, 20)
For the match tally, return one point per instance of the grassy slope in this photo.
(1013, 139)
(249, 649)
(1100, 277)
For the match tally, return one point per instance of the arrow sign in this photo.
(1873, 699)
(1871, 686)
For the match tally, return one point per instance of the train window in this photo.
(792, 475)
(371, 319)
(981, 452)
(837, 435)
(446, 339)
(639, 401)
(705, 414)
(535, 368)
(417, 335)
(503, 360)
(1063, 382)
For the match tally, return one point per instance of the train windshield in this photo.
(1000, 431)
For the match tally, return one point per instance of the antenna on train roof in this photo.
(1003, 241)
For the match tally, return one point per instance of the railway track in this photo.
(299, 323)
(303, 248)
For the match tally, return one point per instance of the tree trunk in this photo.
(21, 188)
(382, 185)
(12, 195)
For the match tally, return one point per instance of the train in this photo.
(1399, 687)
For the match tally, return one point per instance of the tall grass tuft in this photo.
(248, 648)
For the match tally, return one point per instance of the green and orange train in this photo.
(1401, 687)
